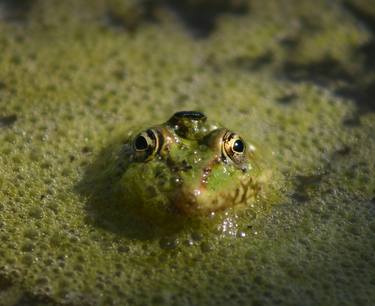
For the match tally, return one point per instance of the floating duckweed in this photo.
(27, 259)
(123, 249)
(206, 246)
(36, 212)
(241, 234)
(169, 243)
(188, 242)
(298, 87)
(196, 236)
(31, 233)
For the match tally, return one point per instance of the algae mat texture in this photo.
(296, 78)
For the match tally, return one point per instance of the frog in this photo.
(187, 166)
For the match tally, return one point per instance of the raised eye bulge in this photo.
(233, 148)
(146, 145)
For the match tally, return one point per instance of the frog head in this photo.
(188, 166)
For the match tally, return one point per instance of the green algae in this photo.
(293, 79)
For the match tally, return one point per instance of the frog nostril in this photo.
(185, 166)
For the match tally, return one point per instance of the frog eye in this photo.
(146, 145)
(238, 146)
(233, 147)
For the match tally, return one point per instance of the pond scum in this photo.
(296, 79)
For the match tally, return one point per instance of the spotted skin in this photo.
(188, 166)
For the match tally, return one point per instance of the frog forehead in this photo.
(195, 153)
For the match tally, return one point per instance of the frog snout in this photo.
(195, 200)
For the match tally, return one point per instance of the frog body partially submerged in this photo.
(187, 166)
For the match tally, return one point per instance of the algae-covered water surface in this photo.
(296, 79)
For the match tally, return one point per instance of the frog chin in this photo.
(201, 201)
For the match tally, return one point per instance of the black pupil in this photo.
(141, 143)
(238, 146)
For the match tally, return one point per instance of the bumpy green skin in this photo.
(189, 175)
(293, 77)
